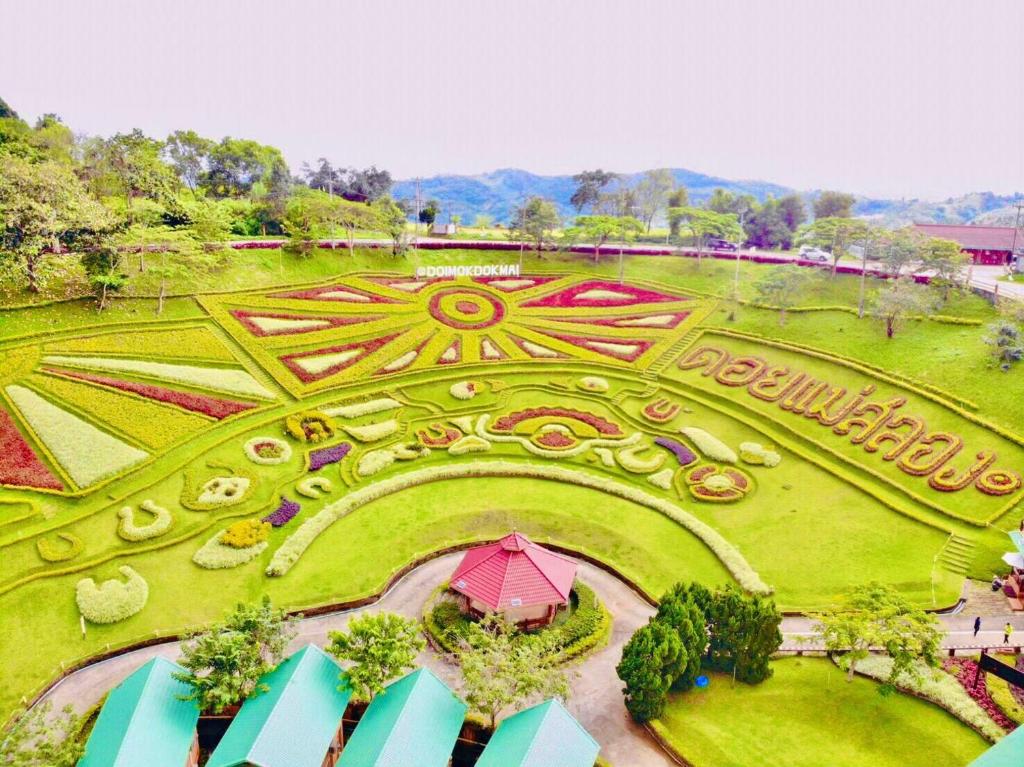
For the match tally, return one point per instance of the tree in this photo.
(483, 221)
(535, 220)
(502, 670)
(6, 111)
(791, 207)
(834, 235)
(701, 224)
(368, 185)
(352, 216)
(722, 201)
(744, 634)
(781, 287)
(132, 162)
(893, 307)
(40, 205)
(877, 616)
(946, 262)
(599, 229)
(679, 198)
(390, 218)
(324, 177)
(650, 662)
(188, 152)
(235, 166)
(1006, 344)
(305, 216)
(589, 184)
(834, 205)
(224, 665)
(622, 202)
(377, 647)
(652, 194)
(102, 259)
(765, 226)
(428, 213)
(682, 614)
(53, 139)
(41, 739)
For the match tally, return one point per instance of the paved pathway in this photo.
(596, 698)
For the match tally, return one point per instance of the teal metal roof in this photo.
(1018, 541)
(144, 722)
(415, 721)
(545, 735)
(293, 723)
(1008, 752)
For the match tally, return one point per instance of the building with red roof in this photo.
(985, 244)
(524, 582)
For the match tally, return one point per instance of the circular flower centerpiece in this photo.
(713, 483)
(268, 451)
(466, 308)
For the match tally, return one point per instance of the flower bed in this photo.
(358, 409)
(710, 445)
(214, 555)
(312, 487)
(245, 533)
(684, 456)
(160, 524)
(604, 427)
(373, 432)
(661, 410)
(51, 552)
(283, 514)
(310, 426)
(268, 451)
(720, 485)
(112, 601)
(19, 464)
(214, 407)
(328, 455)
(965, 670)
(216, 492)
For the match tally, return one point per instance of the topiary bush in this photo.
(112, 601)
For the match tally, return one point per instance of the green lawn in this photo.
(807, 715)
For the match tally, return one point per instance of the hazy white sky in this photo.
(916, 98)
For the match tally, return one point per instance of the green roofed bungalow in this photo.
(1008, 752)
(296, 723)
(545, 735)
(143, 722)
(413, 723)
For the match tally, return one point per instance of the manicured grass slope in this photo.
(807, 715)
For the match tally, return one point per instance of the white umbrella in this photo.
(1013, 559)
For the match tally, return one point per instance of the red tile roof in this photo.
(514, 572)
(974, 237)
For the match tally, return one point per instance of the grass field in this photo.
(807, 715)
(811, 528)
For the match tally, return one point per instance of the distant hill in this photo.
(498, 192)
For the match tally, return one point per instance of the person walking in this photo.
(977, 625)
(1007, 631)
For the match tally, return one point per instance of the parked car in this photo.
(808, 253)
(716, 243)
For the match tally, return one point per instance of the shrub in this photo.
(309, 426)
(311, 487)
(112, 601)
(248, 532)
(129, 531)
(373, 432)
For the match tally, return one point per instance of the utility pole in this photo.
(1015, 258)
(416, 222)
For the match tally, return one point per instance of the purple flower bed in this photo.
(683, 454)
(283, 514)
(325, 456)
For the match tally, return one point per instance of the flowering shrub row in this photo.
(87, 454)
(231, 380)
(903, 439)
(51, 552)
(292, 549)
(268, 451)
(114, 600)
(283, 514)
(710, 445)
(326, 456)
(966, 672)
(214, 407)
(161, 522)
(939, 688)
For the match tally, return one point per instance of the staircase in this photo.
(956, 554)
(681, 344)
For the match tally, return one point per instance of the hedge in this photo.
(112, 601)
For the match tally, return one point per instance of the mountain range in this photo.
(496, 194)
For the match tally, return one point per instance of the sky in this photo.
(897, 98)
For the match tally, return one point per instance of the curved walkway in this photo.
(596, 698)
